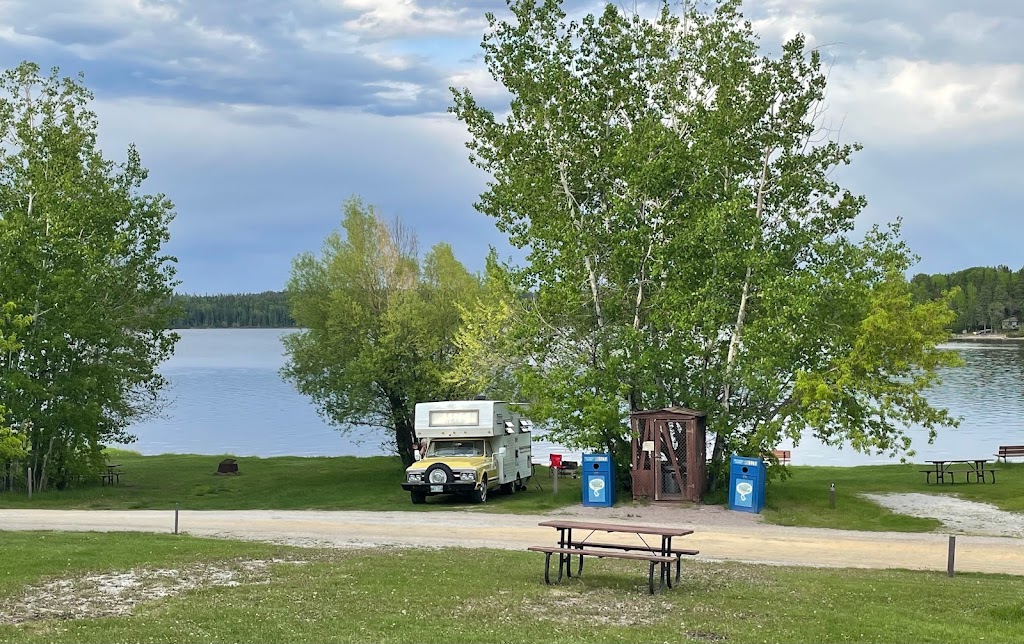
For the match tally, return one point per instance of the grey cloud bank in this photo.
(258, 119)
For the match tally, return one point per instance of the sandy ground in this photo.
(993, 540)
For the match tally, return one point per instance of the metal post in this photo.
(832, 496)
(30, 483)
(176, 506)
(554, 474)
(952, 556)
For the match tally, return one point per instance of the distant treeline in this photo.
(268, 309)
(988, 296)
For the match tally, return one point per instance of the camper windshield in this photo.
(456, 448)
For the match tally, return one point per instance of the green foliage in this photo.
(378, 327)
(688, 244)
(982, 297)
(238, 310)
(80, 256)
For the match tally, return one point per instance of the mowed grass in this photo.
(803, 499)
(281, 483)
(458, 595)
(374, 483)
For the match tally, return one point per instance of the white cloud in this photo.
(896, 102)
(406, 18)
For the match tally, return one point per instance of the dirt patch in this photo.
(956, 514)
(663, 514)
(118, 593)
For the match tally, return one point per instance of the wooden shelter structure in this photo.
(669, 454)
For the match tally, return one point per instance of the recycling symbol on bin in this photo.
(596, 485)
(743, 488)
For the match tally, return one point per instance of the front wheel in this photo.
(480, 494)
(418, 497)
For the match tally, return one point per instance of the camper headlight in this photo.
(467, 476)
(415, 478)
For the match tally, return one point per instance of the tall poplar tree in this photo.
(688, 243)
(378, 325)
(81, 257)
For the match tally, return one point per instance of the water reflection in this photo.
(227, 397)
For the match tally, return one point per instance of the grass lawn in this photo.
(803, 499)
(296, 595)
(281, 483)
(351, 483)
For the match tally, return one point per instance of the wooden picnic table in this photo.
(943, 468)
(657, 552)
(111, 475)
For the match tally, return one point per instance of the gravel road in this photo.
(719, 534)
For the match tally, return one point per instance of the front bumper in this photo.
(460, 487)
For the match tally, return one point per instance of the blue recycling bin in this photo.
(747, 482)
(598, 480)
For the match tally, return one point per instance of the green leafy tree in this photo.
(378, 325)
(688, 244)
(80, 252)
(13, 443)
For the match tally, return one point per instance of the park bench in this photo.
(1010, 451)
(653, 558)
(678, 553)
(782, 455)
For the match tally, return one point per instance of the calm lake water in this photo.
(226, 397)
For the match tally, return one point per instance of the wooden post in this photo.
(176, 506)
(554, 474)
(30, 483)
(952, 556)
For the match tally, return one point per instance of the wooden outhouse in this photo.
(669, 454)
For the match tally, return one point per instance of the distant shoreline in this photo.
(985, 338)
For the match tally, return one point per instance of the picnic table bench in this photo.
(1010, 451)
(661, 554)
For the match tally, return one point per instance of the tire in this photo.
(449, 476)
(418, 497)
(510, 488)
(480, 494)
(521, 483)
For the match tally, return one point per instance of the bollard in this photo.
(832, 496)
(176, 506)
(952, 556)
(30, 483)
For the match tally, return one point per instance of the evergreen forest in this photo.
(987, 297)
(241, 310)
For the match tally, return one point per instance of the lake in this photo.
(226, 397)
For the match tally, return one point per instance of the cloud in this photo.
(252, 193)
(384, 19)
(899, 102)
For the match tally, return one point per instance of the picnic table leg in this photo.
(566, 543)
(661, 577)
(666, 569)
(547, 568)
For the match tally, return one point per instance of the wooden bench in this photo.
(782, 455)
(653, 558)
(569, 468)
(678, 553)
(1010, 451)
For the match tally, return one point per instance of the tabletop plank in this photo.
(616, 527)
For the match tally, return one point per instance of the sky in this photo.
(259, 118)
